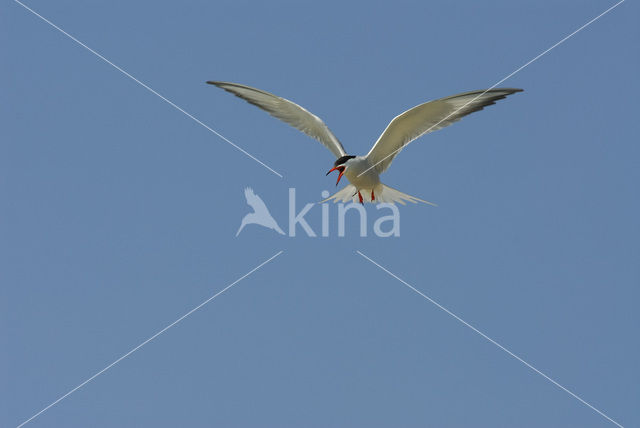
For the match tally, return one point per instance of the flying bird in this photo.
(363, 172)
(260, 214)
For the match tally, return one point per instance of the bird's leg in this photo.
(359, 196)
(373, 197)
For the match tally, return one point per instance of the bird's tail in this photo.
(382, 193)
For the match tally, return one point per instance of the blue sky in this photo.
(119, 213)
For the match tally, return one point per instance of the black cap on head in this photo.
(342, 160)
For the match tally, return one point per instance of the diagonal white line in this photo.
(150, 339)
(198, 121)
(500, 81)
(489, 339)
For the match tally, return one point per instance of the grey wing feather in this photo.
(428, 117)
(288, 112)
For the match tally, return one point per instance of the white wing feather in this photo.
(288, 112)
(428, 117)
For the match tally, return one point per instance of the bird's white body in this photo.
(363, 172)
(360, 173)
(364, 182)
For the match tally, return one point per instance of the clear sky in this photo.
(118, 214)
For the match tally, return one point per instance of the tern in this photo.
(363, 172)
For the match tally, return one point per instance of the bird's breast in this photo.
(360, 174)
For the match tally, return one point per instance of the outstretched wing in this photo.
(428, 117)
(255, 201)
(288, 112)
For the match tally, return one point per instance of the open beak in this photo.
(339, 168)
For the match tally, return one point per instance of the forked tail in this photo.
(382, 193)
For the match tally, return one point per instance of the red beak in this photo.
(339, 168)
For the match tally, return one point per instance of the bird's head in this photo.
(341, 164)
